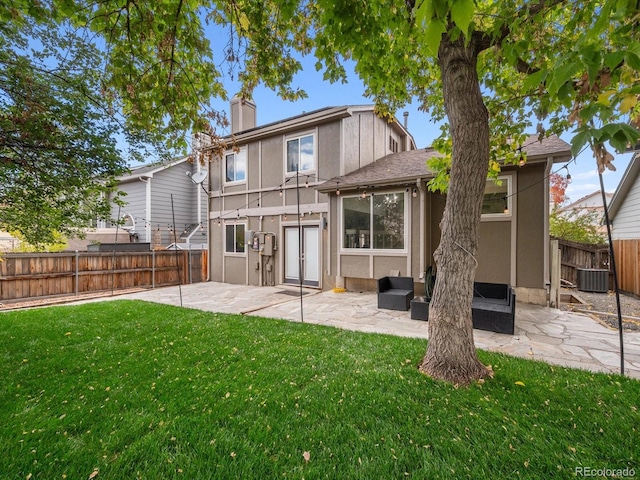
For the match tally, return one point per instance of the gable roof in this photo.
(411, 165)
(583, 203)
(307, 120)
(150, 169)
(628, 179)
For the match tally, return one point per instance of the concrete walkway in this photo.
(551, 335)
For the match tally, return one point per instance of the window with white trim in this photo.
(497, 197)
(235, 164)
(234, 238)
(301, 154)
(375, 222)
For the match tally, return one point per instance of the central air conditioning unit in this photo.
(593, 280)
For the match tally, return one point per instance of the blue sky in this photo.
(321, 94)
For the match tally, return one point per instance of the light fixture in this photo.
(415, 193)
(506, 206)
(306, 182)
(219, 222)
(364, 194)
(338, 189)
(285, 216)
(521, 162)
(280, 192)
(238, 213)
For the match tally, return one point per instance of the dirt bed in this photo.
(59, 299)
(606, 303)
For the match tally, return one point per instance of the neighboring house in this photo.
(624, 208)
(147, 212)
(367, 212)
(8, 243)
(589, 204)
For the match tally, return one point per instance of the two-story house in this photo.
(259, 218)
(340, 195)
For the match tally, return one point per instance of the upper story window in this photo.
(393, 144)
(301, 154)
(374, 222)
(236, 166)
(497, 197)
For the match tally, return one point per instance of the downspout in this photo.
(423, 209)
(547, 239)
(259, 253)
(147, 208)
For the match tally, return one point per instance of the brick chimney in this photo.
(243, 114)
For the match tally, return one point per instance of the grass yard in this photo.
(126, 389)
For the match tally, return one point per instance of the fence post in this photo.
(190, 266)
(153, 269)
(77, 272)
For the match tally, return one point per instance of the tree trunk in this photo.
(451, 353)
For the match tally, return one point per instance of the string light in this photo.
(415, 193)
(568, 174)
(506, 206)
(364, 194)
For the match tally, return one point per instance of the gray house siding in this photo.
(174, 182)
(134, 205)
(156, 216)
(626, 225)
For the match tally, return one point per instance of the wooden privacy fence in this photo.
(627, 254)
(45, 274)
(578, 255)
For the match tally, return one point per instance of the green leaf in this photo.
(579, 141)
(534, 80)
(632, 60)
(433, 36)
(613, 59)
(559, 77)
(462, 12)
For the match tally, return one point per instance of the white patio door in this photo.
(310, 255)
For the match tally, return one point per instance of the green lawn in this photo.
(128, 389)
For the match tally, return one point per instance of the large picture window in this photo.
(374, 222)
(234, 238)
(301, 154)
(236, 166)
(497, 197)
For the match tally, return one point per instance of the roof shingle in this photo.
(412, 164)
